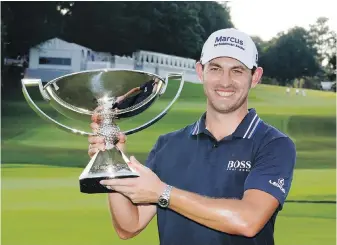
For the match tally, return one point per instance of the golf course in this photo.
(41, 164)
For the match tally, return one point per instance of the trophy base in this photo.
(92, 185)
(108, 164)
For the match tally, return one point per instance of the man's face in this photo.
(226, 83)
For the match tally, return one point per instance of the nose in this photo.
(225, 77)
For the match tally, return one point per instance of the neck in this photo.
(224, 124)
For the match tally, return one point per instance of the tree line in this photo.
(176, 28)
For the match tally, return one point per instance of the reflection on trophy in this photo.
(115, 95)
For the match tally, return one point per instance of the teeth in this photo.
(224, 94)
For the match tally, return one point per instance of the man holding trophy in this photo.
(220, 180)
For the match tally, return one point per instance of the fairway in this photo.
(42, 205)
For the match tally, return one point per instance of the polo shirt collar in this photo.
(246, 128)
(199, 126)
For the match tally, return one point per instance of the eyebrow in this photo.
(214, 64)
(238, 67)
(241, 67)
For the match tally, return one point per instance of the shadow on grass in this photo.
(312, 126)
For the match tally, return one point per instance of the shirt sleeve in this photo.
(151, 159)
(273, 169)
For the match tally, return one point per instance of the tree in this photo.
(260, 44)
(28, 24)
(4, 39)
(331, 68)
(322, 39)
(212, 16)
(177, 28)
(290, 56)
(261, 47)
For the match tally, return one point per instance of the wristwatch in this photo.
(164, 199)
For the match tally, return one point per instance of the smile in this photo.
(224, 93)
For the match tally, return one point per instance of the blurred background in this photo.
(40, 165)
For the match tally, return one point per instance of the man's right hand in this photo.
(96, 142)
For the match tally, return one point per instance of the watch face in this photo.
(163, 202)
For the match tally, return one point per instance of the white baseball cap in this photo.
(230, 43)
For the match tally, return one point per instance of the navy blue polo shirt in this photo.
(255, 156)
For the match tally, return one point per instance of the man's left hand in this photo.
(144, 189)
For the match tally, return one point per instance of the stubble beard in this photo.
(227, 107)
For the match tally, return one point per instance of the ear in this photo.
(198, 69)
(256, 77)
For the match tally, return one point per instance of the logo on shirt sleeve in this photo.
(279, 184)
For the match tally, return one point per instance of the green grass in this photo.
(41, 202)
(306, 224)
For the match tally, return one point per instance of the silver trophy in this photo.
(115, 96)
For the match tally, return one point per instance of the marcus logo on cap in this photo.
(222, 39)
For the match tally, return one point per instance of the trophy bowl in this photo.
(114, 95)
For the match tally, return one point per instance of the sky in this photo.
(267, 18)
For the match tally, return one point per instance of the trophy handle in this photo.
(38, 82)
(164, 112)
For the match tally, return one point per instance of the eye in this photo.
(214, 68)
(237, 71)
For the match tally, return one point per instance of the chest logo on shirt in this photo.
(239, 165)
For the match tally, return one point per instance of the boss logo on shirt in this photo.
(239, 165)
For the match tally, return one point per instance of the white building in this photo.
(57, 57)
(326, 85)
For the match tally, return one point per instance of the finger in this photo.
(95, 127)
(96, 139)
(109, 187)
(137, 165)
(121, 141)
(92, 152)
(126, 190)
(99, 108)
(93, 148)
(96, 117)
(122, 137)
(133, 197)
(117, 182)
(99, 146)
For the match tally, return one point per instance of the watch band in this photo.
(165, 196)
(167, 192)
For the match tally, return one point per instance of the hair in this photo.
(253, 70)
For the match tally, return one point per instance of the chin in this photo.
(227, 107)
